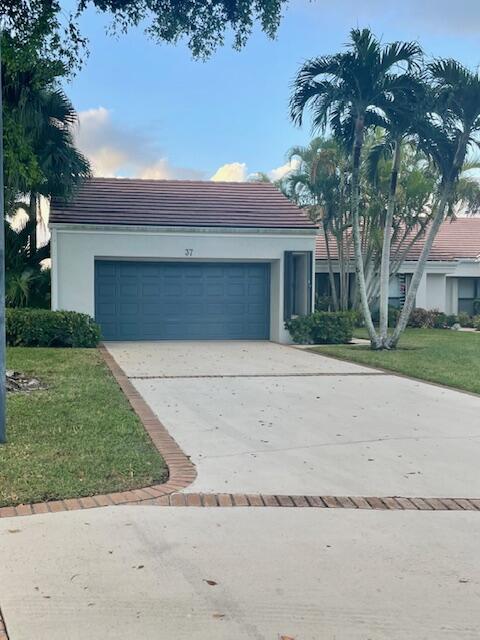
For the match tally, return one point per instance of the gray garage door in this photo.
(182, 301)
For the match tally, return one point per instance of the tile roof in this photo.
(180, 203)
(455, 240)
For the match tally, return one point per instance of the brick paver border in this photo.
(3, 628)
(394, 503)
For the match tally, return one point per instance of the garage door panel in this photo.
(182, 301)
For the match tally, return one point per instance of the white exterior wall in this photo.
(75, 248)
(436, 291)
(438, 287)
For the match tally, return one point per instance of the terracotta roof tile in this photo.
(179, 203)
(455, 240)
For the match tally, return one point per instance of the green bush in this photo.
(322, 327)
(451, 320)
(476, 323)
(465, 320)
(420, 319)
(431, 319)
(45, 328)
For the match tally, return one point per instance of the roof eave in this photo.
(119, 228)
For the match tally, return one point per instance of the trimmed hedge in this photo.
(322, 327)
(45, 328)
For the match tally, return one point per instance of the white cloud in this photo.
(115, 150)
(231, 172)
(238, 172)
(283, 170)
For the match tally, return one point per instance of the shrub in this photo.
(476, 323)
(322, 327)
(465, 320)
(420, 319)
(438, 319)
(450, 320)
(45, 328)
(431, 319)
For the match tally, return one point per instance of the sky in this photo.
(151, 111)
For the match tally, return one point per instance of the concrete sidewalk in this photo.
(124, 573)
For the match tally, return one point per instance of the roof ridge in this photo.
(180, 181)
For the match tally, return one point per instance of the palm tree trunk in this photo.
(331, 276)
(357, 240)
(392, 342)
(438, 218)
(387, 236)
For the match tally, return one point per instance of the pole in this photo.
(3, 435)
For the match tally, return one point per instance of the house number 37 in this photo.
(189, 252)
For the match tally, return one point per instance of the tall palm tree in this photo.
(347, 91)
(446, 136)
(401, 115)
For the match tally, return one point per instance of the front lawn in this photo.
(78, 437)
(437, 355)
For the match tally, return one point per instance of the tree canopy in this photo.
(202, 24)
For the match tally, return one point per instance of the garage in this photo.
(182, 301)
(182, 259)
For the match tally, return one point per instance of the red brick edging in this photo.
(182, 472)
(326, 502)
(3, 628)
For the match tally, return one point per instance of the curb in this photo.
(182, 472)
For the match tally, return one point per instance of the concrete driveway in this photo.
(263, 418)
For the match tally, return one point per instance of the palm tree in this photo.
(447, 135)
(401, 116)
(62, 167)
(40, 121)
(347, 91)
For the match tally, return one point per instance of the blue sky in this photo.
(149, 110)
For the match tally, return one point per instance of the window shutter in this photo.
(310, 275)
(287, 285)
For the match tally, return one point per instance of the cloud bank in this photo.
(116, 151)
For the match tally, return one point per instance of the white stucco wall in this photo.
(74, 250)
(436, 291)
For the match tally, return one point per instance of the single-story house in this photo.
(451, 281)
(182, 260)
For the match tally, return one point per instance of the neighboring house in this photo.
(451, 281)
(180, 260)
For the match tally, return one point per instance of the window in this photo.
(298, 268)
(468, 292)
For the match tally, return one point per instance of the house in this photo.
(451, 281)
(182, 260)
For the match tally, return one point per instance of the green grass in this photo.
(76, 438)
(447, 357)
